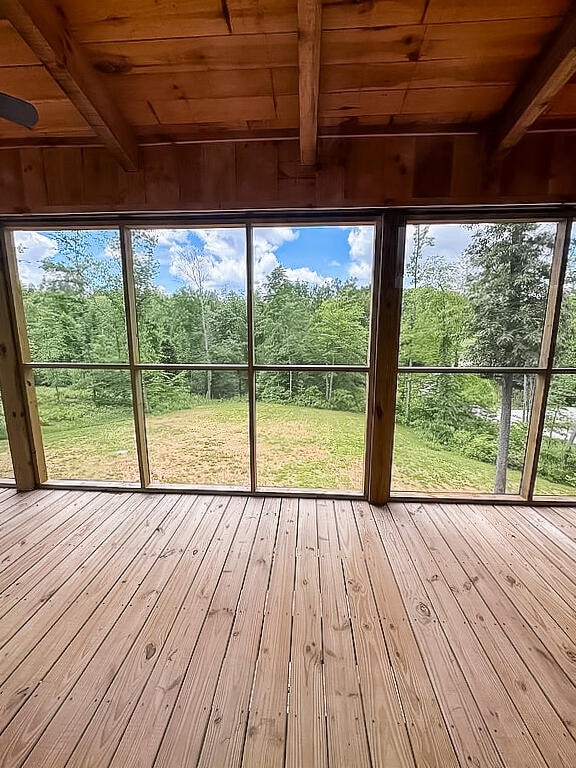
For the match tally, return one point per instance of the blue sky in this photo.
(314, 255)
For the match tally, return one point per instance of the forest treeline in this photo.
(487, 309)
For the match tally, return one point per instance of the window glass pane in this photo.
(557, 463)
(565, 356)
(475, 294)
(73, 295)
(6, 469)
(192, 439)
(87, 424)
(311, 430)
(452, 430)
(191, 294)
(312, 302)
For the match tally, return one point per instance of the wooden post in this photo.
(134, 355)
(17, 382)
(386, 307)
(251, 359)
(547, 350)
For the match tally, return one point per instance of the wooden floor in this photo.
(146, 630)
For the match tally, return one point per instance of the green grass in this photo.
(419, 466)
(208, 444)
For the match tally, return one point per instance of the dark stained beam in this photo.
(42, 27)
(309, 34)
(549, 72)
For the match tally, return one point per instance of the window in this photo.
(229, 356)
(474, 302)
(241, 353)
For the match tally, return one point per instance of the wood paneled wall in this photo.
(383, 171)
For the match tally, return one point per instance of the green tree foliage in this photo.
(507, 285)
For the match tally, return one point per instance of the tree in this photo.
(194, 266)
(507, 285)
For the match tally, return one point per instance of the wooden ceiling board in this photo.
(464, 103)
(420, 74)
(564, 104)
(110, 20)
(355, 14)
(55, 118)
(13, 50)
(228, 110)
(242, 52)
(362, 103)
(453, 11)
(32, 83)
(216, 84)
(487, 39)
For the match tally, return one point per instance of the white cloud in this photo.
(305, 275)
(224, 255)
(32, 248)
(361, 243)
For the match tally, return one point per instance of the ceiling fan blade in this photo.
(18, 111)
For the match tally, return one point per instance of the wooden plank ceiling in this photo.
(159, 71)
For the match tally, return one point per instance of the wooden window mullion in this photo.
(547, 350)
(134, 355)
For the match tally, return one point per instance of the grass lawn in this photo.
(208, 445)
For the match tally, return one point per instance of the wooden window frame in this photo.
(16, 368)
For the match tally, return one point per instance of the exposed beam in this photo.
(42, 27)
(309, 34)
(549, 72)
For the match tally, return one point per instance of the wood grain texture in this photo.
(175, 646)
(42, 28)
(379, 171)
(544, 78)
(309, 35)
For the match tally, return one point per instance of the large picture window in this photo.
(207, 356)
(377, 355)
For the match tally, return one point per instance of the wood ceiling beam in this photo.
(309, 35)
(42, 27)
(549, 72)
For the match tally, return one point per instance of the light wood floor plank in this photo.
(171, 631)
(266, 732)
(555, 742)
(472, 739)
(540, 519)
(225, 734)
(567, 526)
(347, 737)
(184, 735)
(427, 728)
(306, 738)
(144, 695)
(35, 613)
(511, 606)
(548, 614)
(507, 728)
(26, 552)
(51, 723)
(25, 573)
(29, 512)
(385, 724)
(112, 705)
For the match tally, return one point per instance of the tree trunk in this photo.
(506, 389)
(408, 396)
(206, 349)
